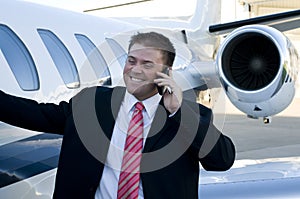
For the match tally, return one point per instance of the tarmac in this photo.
(255, 140)
(267, 158)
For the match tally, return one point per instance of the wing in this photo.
(281, 21)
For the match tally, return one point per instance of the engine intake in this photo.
(250, 61)
(258, 66)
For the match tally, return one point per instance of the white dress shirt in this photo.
(108, 186)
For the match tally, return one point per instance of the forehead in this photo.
(142, 52)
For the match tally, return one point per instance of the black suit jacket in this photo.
(171, 155)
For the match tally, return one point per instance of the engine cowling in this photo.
(258, 67)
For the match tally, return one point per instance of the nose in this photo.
(137, 68)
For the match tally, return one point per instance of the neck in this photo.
(142, 98)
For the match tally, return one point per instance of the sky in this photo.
(154, 7)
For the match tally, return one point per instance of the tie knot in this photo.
(139, 106)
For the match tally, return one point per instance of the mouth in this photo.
(136, 79)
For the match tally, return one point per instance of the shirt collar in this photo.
(150, 103)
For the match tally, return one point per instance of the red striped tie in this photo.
(128, 186)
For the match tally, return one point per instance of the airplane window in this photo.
(118, 50)
(95, 58)
(61, 57)
(18, 59)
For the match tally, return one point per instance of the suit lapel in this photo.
(157, 126)
(108, 112)
(108, 108)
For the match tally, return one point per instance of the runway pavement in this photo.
(255, 140)
(267, 161)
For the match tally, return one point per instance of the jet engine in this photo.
(258, 67)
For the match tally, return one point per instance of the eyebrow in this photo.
(144, 61)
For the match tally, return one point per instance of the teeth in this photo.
(135, 79)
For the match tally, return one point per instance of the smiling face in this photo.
(140, 70)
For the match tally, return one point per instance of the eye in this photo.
(131, 61)
(148, 65)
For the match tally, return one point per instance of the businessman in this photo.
(142, 141)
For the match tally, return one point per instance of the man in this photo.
(176, 134)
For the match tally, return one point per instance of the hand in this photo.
(173, 99)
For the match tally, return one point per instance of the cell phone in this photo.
(163, 89)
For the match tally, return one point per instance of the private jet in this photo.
(49, 54)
